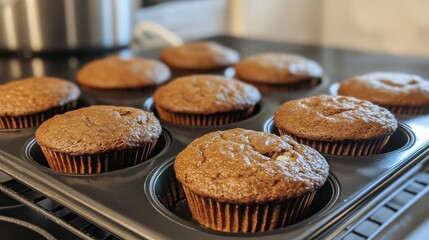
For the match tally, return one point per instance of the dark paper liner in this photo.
(291, 87)
(34, 120)
(176, 72)
(120, 91)
(215, 119)
(253, 217)
(98, 163)
(408, 110)
(344, 148)
(173, 193)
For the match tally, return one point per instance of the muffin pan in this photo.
(145, 201)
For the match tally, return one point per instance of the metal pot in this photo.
(51, 25)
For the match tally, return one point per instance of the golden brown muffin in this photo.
(400, 93)
(252, 180)
(114, 73)
(279, 72)
(205, 100)
(199, 56)
(98, 139)
(336, 124)
(28, 102)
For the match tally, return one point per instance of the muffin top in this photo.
(277, 68)
(245, 166)
(205, 94)
(36, 94)
(199, 56)
(117, 73)
(98, 129)
(334, 118)
(389, 89)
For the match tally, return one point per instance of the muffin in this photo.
(279, 72)
(246, 181)
(400, 93)
(28, 102)
(98, 139)
(336, 124)
(199, 57)
(205, 100)
(118, 75)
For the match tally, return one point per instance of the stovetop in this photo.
(338, 64)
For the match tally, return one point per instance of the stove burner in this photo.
(7, 202)
(13, 228)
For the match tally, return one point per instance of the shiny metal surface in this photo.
(49, 25)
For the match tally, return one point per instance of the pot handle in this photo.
(151, 35)
(6, 3)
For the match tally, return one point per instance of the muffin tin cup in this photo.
(344, 148)
(65, 165)
(183, 206)
(34, 120)
(291, 87)
(198, 120)
(98, 163)
(402, 138)
(397, 110)
(253, 217)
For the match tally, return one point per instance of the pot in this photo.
(54, 25)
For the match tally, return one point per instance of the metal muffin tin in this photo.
(145, 201)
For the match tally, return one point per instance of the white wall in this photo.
(290, 20)
(392, 26)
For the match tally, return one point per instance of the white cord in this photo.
(144, 31)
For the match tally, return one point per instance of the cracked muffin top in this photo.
(118, 73)
(36, 94)
(98, 129)
(389, 89)
(245, 166)
(206, 94)
(199, 56)
(277, 68)
(334, 118)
